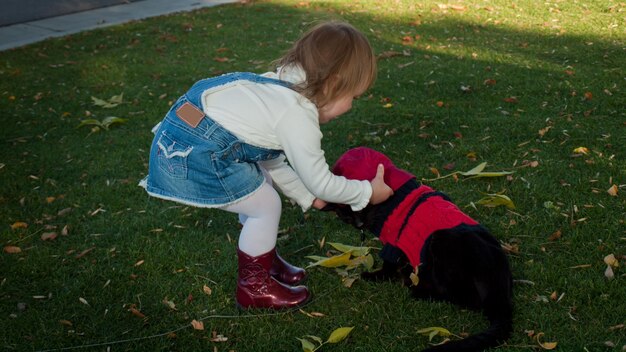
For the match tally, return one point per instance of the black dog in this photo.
(457, 259)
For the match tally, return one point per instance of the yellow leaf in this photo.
(339, 334)
(332, 262)
(611, 260)
(414, 278)
(388, 105)
(366, 260)
(344, 248)
(495, 200)
(19, 225)
(197, 325)
(434, 331)
(478, 169)
(581, 150)
(545, 345)
(307, 346)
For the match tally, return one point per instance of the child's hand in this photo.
(319, 204)
(380, 190)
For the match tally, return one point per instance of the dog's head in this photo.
(346, 214)
(361, 164)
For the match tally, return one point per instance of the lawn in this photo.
(90, 262)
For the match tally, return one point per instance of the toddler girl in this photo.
(229, 140)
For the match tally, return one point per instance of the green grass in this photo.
(563, 62)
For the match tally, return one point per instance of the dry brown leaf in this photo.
(49, 236)
(612, 191)
(83, 253)
(608, 273)
(136, 312)
(207, 290)
(197, 325)
(555, 236)
(65, 322)
(12, 249)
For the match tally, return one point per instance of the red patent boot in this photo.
(285, 272)
(256, 288)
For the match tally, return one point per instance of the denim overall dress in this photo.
(201, 163)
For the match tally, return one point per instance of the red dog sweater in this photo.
(420, 213)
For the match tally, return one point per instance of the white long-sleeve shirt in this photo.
(275, 117)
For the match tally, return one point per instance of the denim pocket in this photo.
(172, 156)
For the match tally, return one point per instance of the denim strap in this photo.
(194, 94)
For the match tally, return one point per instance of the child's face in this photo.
(337, 107)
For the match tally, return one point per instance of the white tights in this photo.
(260, 215)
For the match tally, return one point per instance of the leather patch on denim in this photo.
(190, 114)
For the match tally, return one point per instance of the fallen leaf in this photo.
(339, 334)
(12, 249)
(611, 260)
(332, 262)
(307, 346)
(83, 253)
(107, 104)
(355, 251)
(581, 150)
(545, 345)
(19, 225)
(612, 191)
(49, 236)
(608, 273)
(496, 200)
(207, 290)
(65, 322)
(414, 277)
(555, 236)
(136, 312)
(197, 325)
(169, 304)
(434, 331)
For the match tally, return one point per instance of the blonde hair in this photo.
(337, 59)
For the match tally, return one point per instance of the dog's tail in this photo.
(497, 333)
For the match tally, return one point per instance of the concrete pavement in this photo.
(21, 34)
